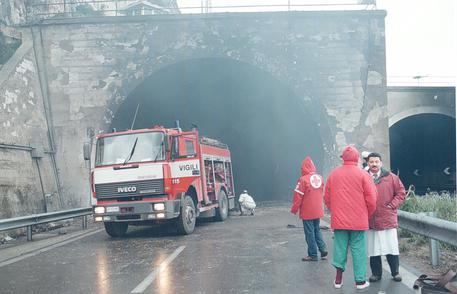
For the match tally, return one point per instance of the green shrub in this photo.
(444, 205)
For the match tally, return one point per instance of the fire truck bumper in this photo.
(126, 212)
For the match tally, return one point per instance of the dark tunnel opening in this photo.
(422, 149)
(265, 126)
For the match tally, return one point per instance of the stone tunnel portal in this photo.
(266, 126)
(422, 150)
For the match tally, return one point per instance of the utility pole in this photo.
(418, 78)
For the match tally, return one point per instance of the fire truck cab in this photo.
(151, 176)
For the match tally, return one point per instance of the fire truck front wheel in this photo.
(116, 229)
(222, 210)
(187, 218)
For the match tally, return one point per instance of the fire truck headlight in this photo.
(159, 206)
(99, 210)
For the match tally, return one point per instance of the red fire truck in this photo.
(151, 176)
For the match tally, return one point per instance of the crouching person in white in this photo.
(246, 203)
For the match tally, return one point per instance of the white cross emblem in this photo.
(316, 181)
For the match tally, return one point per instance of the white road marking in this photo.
(47, 248)
(151, 277)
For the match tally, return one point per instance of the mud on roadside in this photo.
(418, 256)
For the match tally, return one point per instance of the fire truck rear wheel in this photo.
(222, 210)
(116, 229)
(187, 218)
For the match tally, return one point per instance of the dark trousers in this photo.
(313, 237)
(376, 265)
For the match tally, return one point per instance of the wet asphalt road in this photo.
(245, 254)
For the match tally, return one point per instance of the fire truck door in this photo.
(187, 145)
(185, 148)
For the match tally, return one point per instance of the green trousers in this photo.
(356, 241)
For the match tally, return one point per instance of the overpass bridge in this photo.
(422, 136)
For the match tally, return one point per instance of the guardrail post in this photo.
(29, 233)
(434, 247)
(85, 222)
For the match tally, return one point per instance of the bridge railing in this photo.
(435, 228)
(57, 9)
(429, 226)
(42, 218)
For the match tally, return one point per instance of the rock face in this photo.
(77, 75)
(12, 12)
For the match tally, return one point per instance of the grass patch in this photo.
(443, 204)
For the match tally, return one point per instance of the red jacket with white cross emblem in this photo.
(308, 193)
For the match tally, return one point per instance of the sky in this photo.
(421, 41)
(420, 34)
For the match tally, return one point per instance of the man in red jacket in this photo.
(382, 236)
(308, 200)
(350, 195)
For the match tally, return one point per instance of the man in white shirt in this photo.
(246, 203)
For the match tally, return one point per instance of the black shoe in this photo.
(324, 254)
(374, 278)
(396, 278)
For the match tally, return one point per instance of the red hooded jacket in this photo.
(308, 192)
(350, 194)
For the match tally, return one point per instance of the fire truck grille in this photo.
(129, 189)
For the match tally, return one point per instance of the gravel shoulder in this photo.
(417, 256)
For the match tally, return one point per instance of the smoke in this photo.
(266, 127)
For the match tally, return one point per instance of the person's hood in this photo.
(307, 166)
(350, 155)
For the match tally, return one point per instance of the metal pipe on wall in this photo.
(38, 49)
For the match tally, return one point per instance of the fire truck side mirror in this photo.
(166, 143)
(174, 147)
(86, 151)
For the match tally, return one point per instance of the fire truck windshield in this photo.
(130, 148)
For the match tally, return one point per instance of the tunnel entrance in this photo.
(266, 126)
(422, 150)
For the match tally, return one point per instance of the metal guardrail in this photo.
(36, 219)
(434, 228)
(429, 226)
